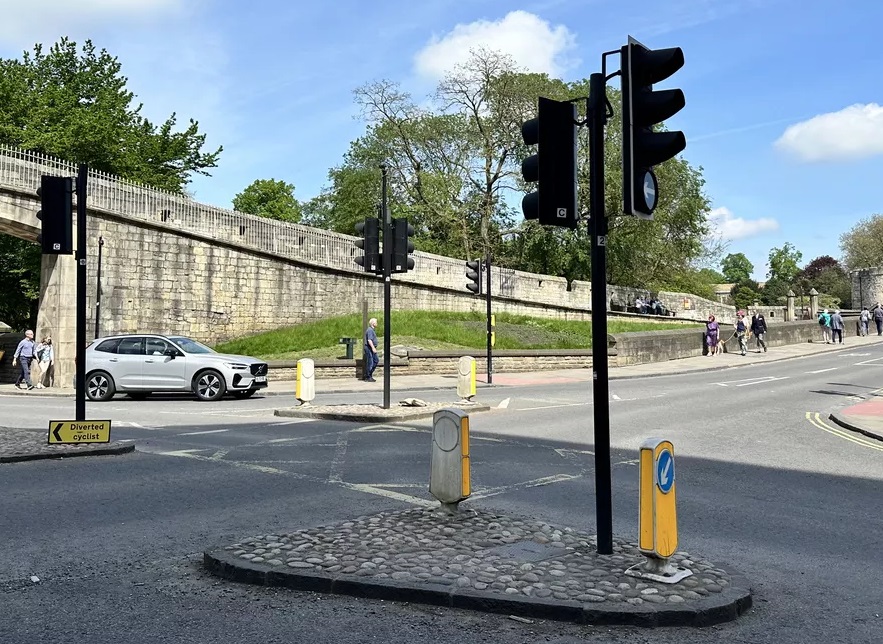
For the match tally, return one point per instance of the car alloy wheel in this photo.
(210, 385)
(99, 386)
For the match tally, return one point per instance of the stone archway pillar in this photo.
(57, 313)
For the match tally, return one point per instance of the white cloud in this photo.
(534, 44)
(729, 227)
(855, 132)
(26, 23)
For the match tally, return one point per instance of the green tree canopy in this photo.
(736, 267)
(73, 103)
(784, 262)
(862, 245)
(455, 172)
(828, 277)
(269, 198)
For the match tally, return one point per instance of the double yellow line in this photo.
(816, 419)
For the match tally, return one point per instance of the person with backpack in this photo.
(825, 323)
(758, 328)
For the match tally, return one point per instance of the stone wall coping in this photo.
(502, 353)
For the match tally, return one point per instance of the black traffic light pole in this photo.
(82, 178)
(490, 328)
(387, 285)
(598, 233)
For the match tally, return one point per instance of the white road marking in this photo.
(338, 461)
(750, 381)
(293, 422)
(546, 480)
(390, 494)
(585, 404)
(615, 397)
(208, 431)
(217, 456)
(127, 423)
(853, 355)
(869, 362)
(504, 403)
(823, 370)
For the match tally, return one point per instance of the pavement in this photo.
(472, 558)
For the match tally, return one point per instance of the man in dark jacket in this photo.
(758, 328)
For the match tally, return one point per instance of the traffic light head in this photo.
(473, 273)
(642, 109)
(369, 230)
(553, 167)
(56, 215)
(402, 246)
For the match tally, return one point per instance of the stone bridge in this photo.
(172, 265)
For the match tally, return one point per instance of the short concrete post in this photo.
(789, 307)
(466, 378)
(305, 383)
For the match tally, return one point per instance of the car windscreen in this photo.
(190, 346)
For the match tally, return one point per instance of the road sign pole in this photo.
(82, 178)
(490, 363)
(598, 234)
(387, 286)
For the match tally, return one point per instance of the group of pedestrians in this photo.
(866, 316)
(832, 327)
(742, 331)
(36, 362)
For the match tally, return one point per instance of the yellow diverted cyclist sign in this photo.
(658, 520)
(67, 432)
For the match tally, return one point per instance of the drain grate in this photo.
(527, 551)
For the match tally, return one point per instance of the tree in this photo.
(827, 276)
(775, 292)
(784, 262)
(455, 172)
(744, 293)
(269, 198)
(862, 245)
(711, 276)
(74, 104)
(736, 267)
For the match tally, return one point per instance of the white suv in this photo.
(144, 363)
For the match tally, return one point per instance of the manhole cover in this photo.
(527, 551)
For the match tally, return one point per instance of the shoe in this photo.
(40, 385)
(30, 387)
(764, 349)
(371, 380)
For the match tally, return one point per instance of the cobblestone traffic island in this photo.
(30, 444)
(480, 560)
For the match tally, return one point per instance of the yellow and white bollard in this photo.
(449, 475)
(657, 513)
(466, 378)
(305, 383)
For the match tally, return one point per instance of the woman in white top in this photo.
(44, 363)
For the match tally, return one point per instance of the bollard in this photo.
(449, 475)
(305, 383)
(657, 514)
(466, 378)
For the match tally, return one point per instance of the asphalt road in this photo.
(765, 485)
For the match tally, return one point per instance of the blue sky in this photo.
(783, 96)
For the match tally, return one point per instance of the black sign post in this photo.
(82, 178)
(387, 285)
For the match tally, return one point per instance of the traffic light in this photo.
(369, 230)
(642, 108)
(402, 246)
(553, 167)
(56, 215)
(473, 272)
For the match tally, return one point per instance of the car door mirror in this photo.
(172, 353)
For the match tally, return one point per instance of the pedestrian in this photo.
(865, 318)
(370, 350)
(24, 355)
(44, 364)
(825, 324)
(836, 327)
(878, 318)
(741, 330)
(712, 335)
(758, 328)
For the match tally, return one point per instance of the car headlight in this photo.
(236, 366)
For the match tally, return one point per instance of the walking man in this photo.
(878, 318)
(370, 350)
(24, 354)
(836, 327)
(758, 328)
